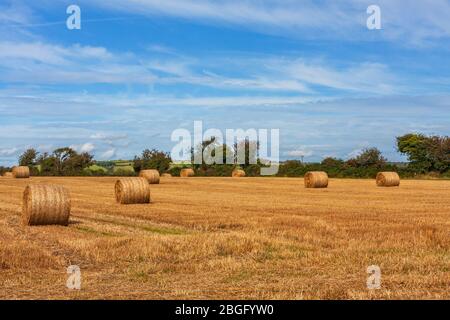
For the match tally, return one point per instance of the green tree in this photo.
(291, 168)
(438, 153)
(331, 163)
(28, 158)
(64, 161)
(251, 151)
(333, 166)
(368, 158)
(425, 153)
(216, 158)
(207, 151)
(75, 164)
(152, 159)
(415, 146)
(60, 157)
(46, 163)
(3, 170)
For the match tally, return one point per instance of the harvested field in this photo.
(225, 238)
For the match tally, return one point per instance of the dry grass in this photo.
(250, 238)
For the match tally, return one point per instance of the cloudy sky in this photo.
(139, 69)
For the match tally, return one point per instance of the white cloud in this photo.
(306, 124)
(411, 21)
(109, 154)
(7, 152)
(363, 77)
(300, 153)
(43, 63)
(50, 54)
(16, 13)
(354, 153)
(283, 15)
(108, 137)
(104, 104)
(112, 139)
(45, 148)
(361, 145)
(87, 147)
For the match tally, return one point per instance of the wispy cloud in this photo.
(413, 21)
(15, 12)
(116, 97)
(54, 64)
(108, 137)
(85, 147)
(8, 151)
(109, 154)
(305, 125)
(300, 153)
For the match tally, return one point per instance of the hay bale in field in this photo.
(21, 172)
(151, 175)
(8, 174)
(187, 172)
(316, 179)
(132, 190)
(45, 204)
(237, 173)
(166, 175)
(388, 179)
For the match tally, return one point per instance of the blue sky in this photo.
(137, 70)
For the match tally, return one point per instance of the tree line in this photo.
(427, 155)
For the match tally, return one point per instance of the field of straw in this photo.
(225, 238)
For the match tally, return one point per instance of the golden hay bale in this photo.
(316, 179)
(187, 172)
(388, 179)
(151, 175)
(45, 204)
(132, 190)
(166, 175)
(8, 174)
(21, 172)
(237, 173)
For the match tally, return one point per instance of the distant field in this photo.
(248, 238)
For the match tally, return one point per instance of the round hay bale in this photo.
(45, 204)
(187, 172)
(8, 175)
(388, 179)
(166, 175)
(132, 190)
(21, 172)
(316, 179)
(237, 173)
(151, 175)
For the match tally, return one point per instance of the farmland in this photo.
(225, 238)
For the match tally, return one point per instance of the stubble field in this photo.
(225, 238)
